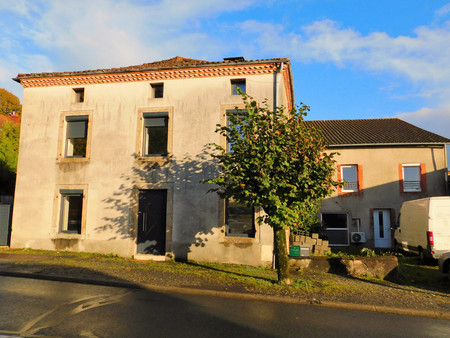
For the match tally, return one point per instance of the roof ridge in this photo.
(368, 119)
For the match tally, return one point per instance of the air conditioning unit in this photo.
(358, 237)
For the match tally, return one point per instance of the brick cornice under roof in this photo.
(375, 132)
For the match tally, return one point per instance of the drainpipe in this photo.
(275, 84)
(275, 104)
(447, 166)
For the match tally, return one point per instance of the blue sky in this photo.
(350, 58)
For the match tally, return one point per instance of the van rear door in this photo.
(440, 224)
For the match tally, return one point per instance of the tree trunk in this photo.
(281, 256)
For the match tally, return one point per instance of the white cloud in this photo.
(87, 34)
(20, 7)
(443, 11)
(436, 120)
(421, 58)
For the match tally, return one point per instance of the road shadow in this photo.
(106, 312)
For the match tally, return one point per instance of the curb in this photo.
(312, 302)
(233, 295)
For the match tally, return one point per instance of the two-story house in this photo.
(111, 160)
(382, 163)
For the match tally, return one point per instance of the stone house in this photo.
(383, 163)
(111, 160)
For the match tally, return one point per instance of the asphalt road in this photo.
(41, 308)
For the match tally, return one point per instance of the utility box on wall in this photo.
(5, 212)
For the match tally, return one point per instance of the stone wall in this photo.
(317, 246)
(380, 267)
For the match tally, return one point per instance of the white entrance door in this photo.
(382, 228)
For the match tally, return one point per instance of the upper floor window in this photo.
(349, 177)
(155, 134)
(239, 219)
(78, 94)
(239, 114)
(238, 83)
(76, 136)
(157, 90)
(412, 177)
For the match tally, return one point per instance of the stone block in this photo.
(309, 240)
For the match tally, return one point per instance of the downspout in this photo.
(275, 85)
(275, 104)
(446, 165)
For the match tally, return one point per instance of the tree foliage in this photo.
(9, 103)
(9, 148)
(275, 162)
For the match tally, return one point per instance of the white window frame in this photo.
(412, 186)
(349, 186)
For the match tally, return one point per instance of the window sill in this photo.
(413, 193)
(67, 235)
(72, 159)
(233, 239)
(348, 193)
(154, 159)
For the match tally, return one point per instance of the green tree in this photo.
(9, 148)
(275, 162)
(9, 103)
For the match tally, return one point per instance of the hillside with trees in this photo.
(10, 107)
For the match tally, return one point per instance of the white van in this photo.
(424, 227)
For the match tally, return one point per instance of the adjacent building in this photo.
(382, 163)
(111, 160)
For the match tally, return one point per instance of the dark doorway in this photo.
(151, 237)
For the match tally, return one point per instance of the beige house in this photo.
(111, 160)
(382, 162)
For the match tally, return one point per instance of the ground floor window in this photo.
(239, 219)
(336, 228)
(71, 211)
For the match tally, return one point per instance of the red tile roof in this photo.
(173, 63)
(389, 131)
